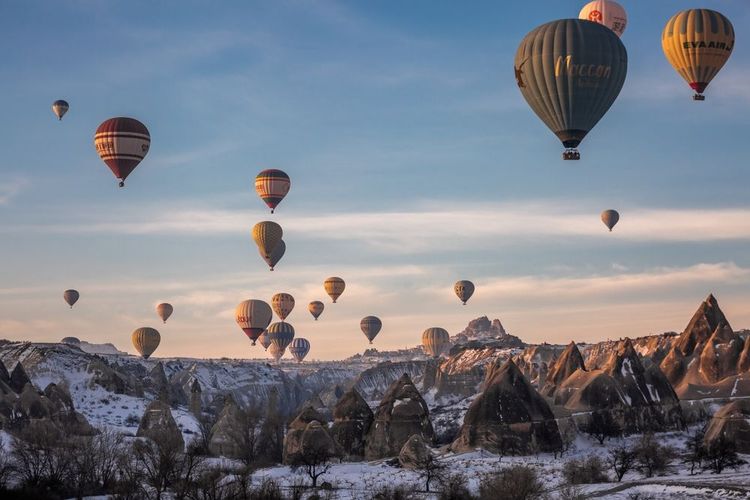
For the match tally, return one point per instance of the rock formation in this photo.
(352, 420)
(509, 416)
(158, 424)
(563, 367)
(732, 422)
(401, 414)
(224, 433)
(484, 329)
(300, 433)
(18, 379)
(414, 453)
(534, 362)
(196, 399)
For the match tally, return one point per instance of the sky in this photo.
(414, 159)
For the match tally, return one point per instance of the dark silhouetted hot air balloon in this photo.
(610, 218)
(697, 43)
(282, 304)
(264, 340)
(275, 256)
(272, 185)
(370, 326)
(607, 12)
(60, 107)
(334, 287)
(71, 297)
(570, 72)
(253, 316)
(122, 143)
(281, 335)
(316, 308)
(434, 341)
(145, 340)
(299, 349)
(464, 290)
(164, 311)
(267, 235)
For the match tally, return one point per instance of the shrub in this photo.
(401, 492)
(453, 487)
(651, 457)
(586, 471)
(519, 482)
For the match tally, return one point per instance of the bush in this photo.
(570, 492)
(586, 471)
(401, 492)
(453, 487)
(519, 482)
(651, 457)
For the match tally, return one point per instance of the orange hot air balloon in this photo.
(282, 304)
(122, 143)
(334, 287)
(145, 340)
(316, 308)
(272, 186)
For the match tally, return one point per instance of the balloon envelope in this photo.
(281, 334)
(570, 72)
(164, 311)
(607, 12)
(122, 143)
(253, 316)
(316, 308)
(282, 304)
(267, 235)
(264, 340)
(276, 352)
(434, 341)
(610, 218)
(272, 185)
(697, 43)
(299, 348)
(60, 107)
(370, 326)
(275, 256)
(71, 297)
(464, 290)
(334, 287)
(145, 340)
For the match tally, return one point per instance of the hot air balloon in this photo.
(464, 290)
(334, 287)
(164, 311)
(272, 185)
(267, 235)
(264, 340)
(282, 304)
(253, 316)
(570, 72)
(145, 340)
(276, 352)
(275, 256)
(122, 143)
(610, 218)
(60, 107)
(71, 297)
(434, 341)
(316, 308)
(299, 349)
(370, 326)
(280, 335)
(697, 43)
(607, 12)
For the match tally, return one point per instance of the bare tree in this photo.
(430, 468)
(41, 456)
(6, 466)
(622, 460)
(721, 454)
(696, 450)
(245, 434)
(314, 461)
(159, 460)
(602, 426)
(651, 457)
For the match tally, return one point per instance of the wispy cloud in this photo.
(11, 188)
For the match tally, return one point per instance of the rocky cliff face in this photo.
(731, 422)
(562, 368)
(484, 329)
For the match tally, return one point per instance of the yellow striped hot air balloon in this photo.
(334, 287)
(282, 304)
(434, 341)
(697, 43)
(267, 235)
(145, 340)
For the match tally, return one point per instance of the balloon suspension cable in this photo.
(699, 97)
(571, 154)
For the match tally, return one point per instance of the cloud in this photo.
(10, 189)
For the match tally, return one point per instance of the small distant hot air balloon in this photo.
(275, 256)
(267, 235)
(610, 218)
(272, 185)
(464, 290)
(281, 335)
(71, 297)
(570, 72)
(282, 304)
(60, 107)
(264, 340)
(122, 143)
(334, 287)
(299, 349)
(607, 12)
(370, 326)
(253, 316)
(164, 311)
(316, 308)
(697, 43)
(276, 352)
(434, 341)
(145, 340)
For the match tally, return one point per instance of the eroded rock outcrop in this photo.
(352, 420)
(293, 439)
(509, 416)
(415, 452)
(401, 414)
(732, 422)
(562, 368)
(158, 424)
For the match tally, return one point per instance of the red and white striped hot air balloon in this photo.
(272, 185)
(122, 143)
